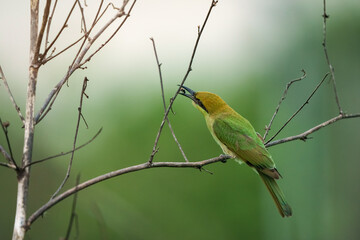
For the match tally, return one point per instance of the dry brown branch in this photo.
(268, 127)
(155, 147)
(304, 136)
(120, 14)
(83, 50)
(300, 108)
(60, 31)
(49, 24)
(43, 27)
(163, 99)
(73, 215)
(65, 153)
(62, 51)
(325, 17)
(17, 108)
(11, 160)
(7, 158)
(83, 20)
(80, 116)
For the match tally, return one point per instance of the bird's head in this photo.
(205, 102)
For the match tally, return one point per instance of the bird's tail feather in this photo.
(276, 193)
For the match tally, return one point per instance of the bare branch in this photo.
(77, 61)
(73, 215)
(120, 14)
(268, 127)
(163, 98)
(60, 31)
(83, 21)
(147, 165)
(23, 176)
(75, 138)
(43, 27)
(4, 127)
(62, 51)
(65, 153)
(213, 4)
(49, 24)
(325, 17)
(302, 106)
(11, 96)
(7, 158)
(303, 136)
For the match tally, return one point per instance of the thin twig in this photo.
(73, 215)
(7, 165)
(304, 136)
(65, 153)
(43, 27)
(163, 99)
(4, 127)
(115, 173)
(302, 106)
(49, 24)
(60, 31)
(11, 96)
(326, 16)
(7, 158)
(62, 51)
(76, 63)
(268, 127)
(83, 21)
(75, 138)
(154, 150)
(120, 14)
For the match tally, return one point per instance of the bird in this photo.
(238, 138)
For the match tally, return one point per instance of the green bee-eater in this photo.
(237, 138)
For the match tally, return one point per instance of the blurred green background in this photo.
(248, 52)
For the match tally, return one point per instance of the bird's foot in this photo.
(222, 156)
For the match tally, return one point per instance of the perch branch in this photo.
(302, 106)
(268, 127)
(155, 148)
(11, 96)
(147, 165)
(163, 99)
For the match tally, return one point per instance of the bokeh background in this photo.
(248, 52)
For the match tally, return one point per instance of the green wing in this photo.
(239, 136)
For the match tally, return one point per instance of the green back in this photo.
(239, 136)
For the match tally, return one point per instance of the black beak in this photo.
(190, 94)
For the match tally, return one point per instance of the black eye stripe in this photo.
(201, 104)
